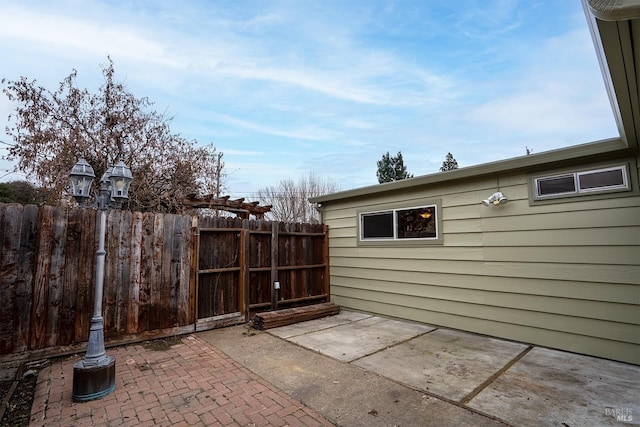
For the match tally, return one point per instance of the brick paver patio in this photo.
(190, 383)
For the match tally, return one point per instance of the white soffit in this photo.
(615, 28)
(615, 10)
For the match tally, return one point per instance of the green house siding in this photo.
(564, 275)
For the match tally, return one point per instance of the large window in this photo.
(417, 223)
(570, 184)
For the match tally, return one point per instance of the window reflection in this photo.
(417, 223)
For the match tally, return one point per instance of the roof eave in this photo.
(614, 10)
(615, 30)
(529, 162)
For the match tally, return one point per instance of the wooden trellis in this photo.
(238, 207)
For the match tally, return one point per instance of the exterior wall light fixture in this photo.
(496, 199)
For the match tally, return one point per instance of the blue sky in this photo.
(284, 87)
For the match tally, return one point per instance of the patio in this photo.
(351, 369)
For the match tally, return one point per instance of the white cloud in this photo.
(235, 152)
(60, 32)
(332, 83)
(555, 99)
(307, 133)
(489, 19)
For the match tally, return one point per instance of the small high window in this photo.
(378, 225)
(400, 224)
(578, 183)
(602, 179)
(565, 184)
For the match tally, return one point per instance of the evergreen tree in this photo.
(18, 192)
(392, 168)
(449, 163)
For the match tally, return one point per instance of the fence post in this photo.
(194, 265)
(244, 245)
(274, 264)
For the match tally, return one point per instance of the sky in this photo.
(284, 88)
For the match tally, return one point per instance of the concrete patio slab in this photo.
(499, 380)
(569, 389)
(447, 363)
(342, 318)
(343, 393)
(360, 338)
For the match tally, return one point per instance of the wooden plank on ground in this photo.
(289, 316)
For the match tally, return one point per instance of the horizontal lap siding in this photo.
(501, 306)
(558, 288)
(563, 275)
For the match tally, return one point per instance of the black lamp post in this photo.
(95, 375)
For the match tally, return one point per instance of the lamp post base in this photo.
(92, 382)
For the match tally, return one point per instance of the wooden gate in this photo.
(246, 267)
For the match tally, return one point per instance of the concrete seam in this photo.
(436, 396)
(393, 345)
(493, 377)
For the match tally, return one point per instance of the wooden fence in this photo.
(164, 274)
(240, 261)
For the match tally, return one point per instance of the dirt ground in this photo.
(17, 386)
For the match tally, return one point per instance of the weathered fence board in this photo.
(164, 274)
(24, 280)
(135, 279)
(84, 279)
(291, 254)
(71, 269)
(47, 266)
(147, 272)
(11, 231)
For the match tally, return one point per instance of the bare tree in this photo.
(52, 130)
(290, 199)
(213, 174)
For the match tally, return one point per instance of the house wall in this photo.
(564, 275)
